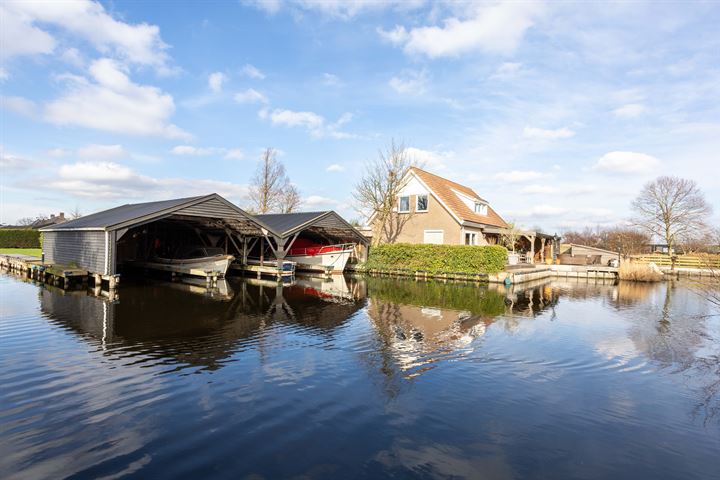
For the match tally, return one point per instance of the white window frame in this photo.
(442, 235)
(417, 202)
(473, 238)
(481, 208)
(400, 210)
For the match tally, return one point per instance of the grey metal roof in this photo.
(131, 214)
(287, 222)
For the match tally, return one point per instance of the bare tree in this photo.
(511, 234)
(26, 221)
(376, 194)
(76, 213)
(270, 188)
(671, 208)
(290, 199)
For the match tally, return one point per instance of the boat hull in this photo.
(215, 266)
(330, 262)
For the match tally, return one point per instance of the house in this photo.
(48, 222)
(444, 212)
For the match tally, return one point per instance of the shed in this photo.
(101, 242)
(574, 254)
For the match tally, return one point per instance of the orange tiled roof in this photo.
(443, 188)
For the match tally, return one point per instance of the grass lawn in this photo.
(24, 251)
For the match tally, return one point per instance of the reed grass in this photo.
(638, 272)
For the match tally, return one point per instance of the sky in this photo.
(557, 113)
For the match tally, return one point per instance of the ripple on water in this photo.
(419, 379)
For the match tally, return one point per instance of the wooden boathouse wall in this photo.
(83, 248)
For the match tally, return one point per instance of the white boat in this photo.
(322, 258)
(198, 261)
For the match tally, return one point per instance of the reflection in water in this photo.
(193, 325)
(353, 377)
(423, 322)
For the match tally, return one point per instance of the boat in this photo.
(268, 267)
(314, 257)
(197, 261)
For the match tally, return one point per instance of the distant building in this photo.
(48, 222)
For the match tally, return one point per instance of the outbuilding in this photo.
(102, 242)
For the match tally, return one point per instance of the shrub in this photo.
(436, 259)
(638, 272)
(19, 238)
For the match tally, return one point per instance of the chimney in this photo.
(52, 215)
(61, 216)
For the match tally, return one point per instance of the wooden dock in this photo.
(62, 276)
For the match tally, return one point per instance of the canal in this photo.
(359, 378)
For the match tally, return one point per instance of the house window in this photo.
(404, 205)
(433, 236)
(422, 203)
(481, 208)
(471, 239)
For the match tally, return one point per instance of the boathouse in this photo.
(297, 234)
(102, 242)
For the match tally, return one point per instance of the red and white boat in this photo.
(310, 256)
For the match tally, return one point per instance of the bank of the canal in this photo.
(359, 378)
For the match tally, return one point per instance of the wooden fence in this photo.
(705, 261)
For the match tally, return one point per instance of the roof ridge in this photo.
(447, 180)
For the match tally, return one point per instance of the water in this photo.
(360, 379)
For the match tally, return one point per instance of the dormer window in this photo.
(421, 204)
(481, 208)
(404, 204)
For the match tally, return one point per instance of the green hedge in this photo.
(19, 238)
(438, 258)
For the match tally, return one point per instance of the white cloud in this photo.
(430, 159)
(216, 80)
(343, 9)
(507, 70)
(317, 201)
(331, 80)
(535, 211)
(335, 168)
(101, 151)
(73, 57)
(545, 134)
(4, 75)
(195, 151)
(409, 82)
(189, 150)
(19, 105)
(252, 72)
(539, 189)
(58, 152)
(11, 162)
(18, 35)
(631, 110)
(314, 123)
(519, 176)
(626, 162)
(250, 96)
(112, 180)
(139, 43)
(234, 154)
(494, 28)
(110, 101)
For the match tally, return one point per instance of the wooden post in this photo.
(532, 249)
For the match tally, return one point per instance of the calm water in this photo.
(359, 379)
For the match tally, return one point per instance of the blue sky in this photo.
(555, 112)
